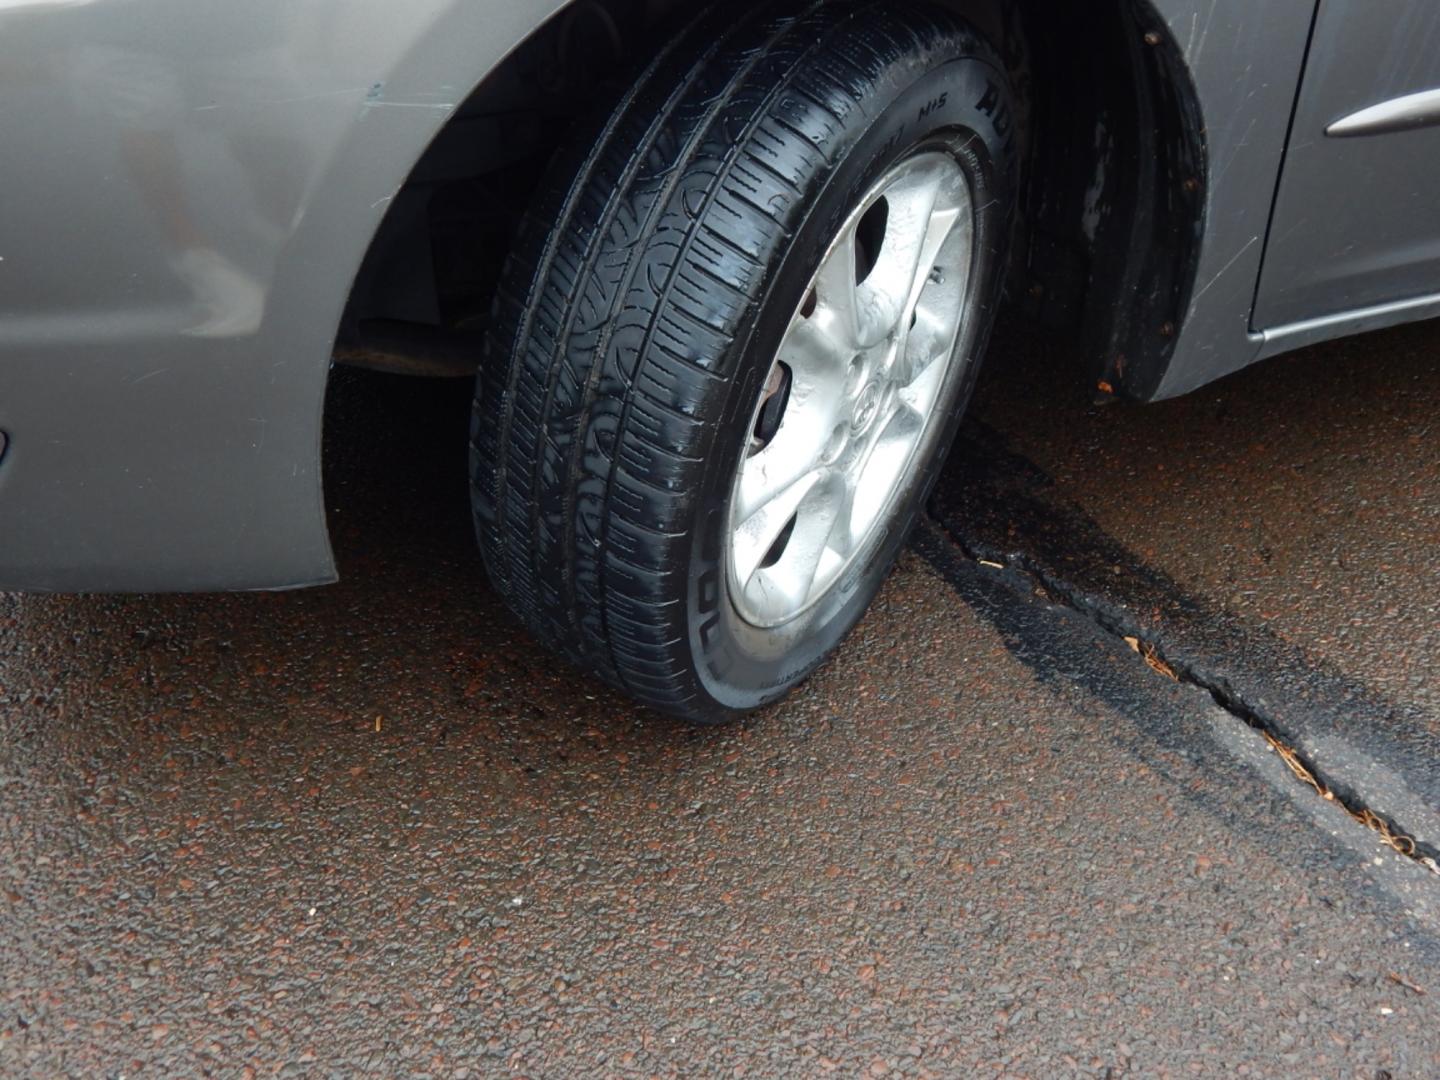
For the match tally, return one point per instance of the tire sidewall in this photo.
(963, 100)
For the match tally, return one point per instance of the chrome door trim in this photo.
(1398, 114)
(1281, 339)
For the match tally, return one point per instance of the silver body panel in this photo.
(1246, 58)
(195, 187)
(196, 191)
(1357, 220)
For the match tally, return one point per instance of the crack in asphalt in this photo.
(1117, 623)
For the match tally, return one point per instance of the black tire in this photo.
(642, 308)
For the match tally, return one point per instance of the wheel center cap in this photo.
(867, 407)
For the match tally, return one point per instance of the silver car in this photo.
(726, 275)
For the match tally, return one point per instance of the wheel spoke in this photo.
(817, 391)
(883, 467)
(930, 327)
(842, 537)
(759, 531)
(807, 564)
(921, 387)
(837, 308)
(927, 341)
(772, 473)
(815, 357)
(809, 558)
(887, 295)
(942, 223)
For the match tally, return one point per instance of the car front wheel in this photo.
(734, 341)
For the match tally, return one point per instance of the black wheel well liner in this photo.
(1114, 195)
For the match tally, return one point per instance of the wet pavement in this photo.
(1277, 535)
(375, 829)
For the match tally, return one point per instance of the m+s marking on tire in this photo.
(935, 105)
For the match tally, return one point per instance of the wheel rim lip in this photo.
(772, 616)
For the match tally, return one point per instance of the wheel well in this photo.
(1109, 223)
(424, 290)
(1113, 203)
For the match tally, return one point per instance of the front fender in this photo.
(187, 194)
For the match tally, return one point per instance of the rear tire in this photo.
(661, 272)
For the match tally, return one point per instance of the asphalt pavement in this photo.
(1031, 822)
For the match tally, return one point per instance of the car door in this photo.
(1357, 220)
